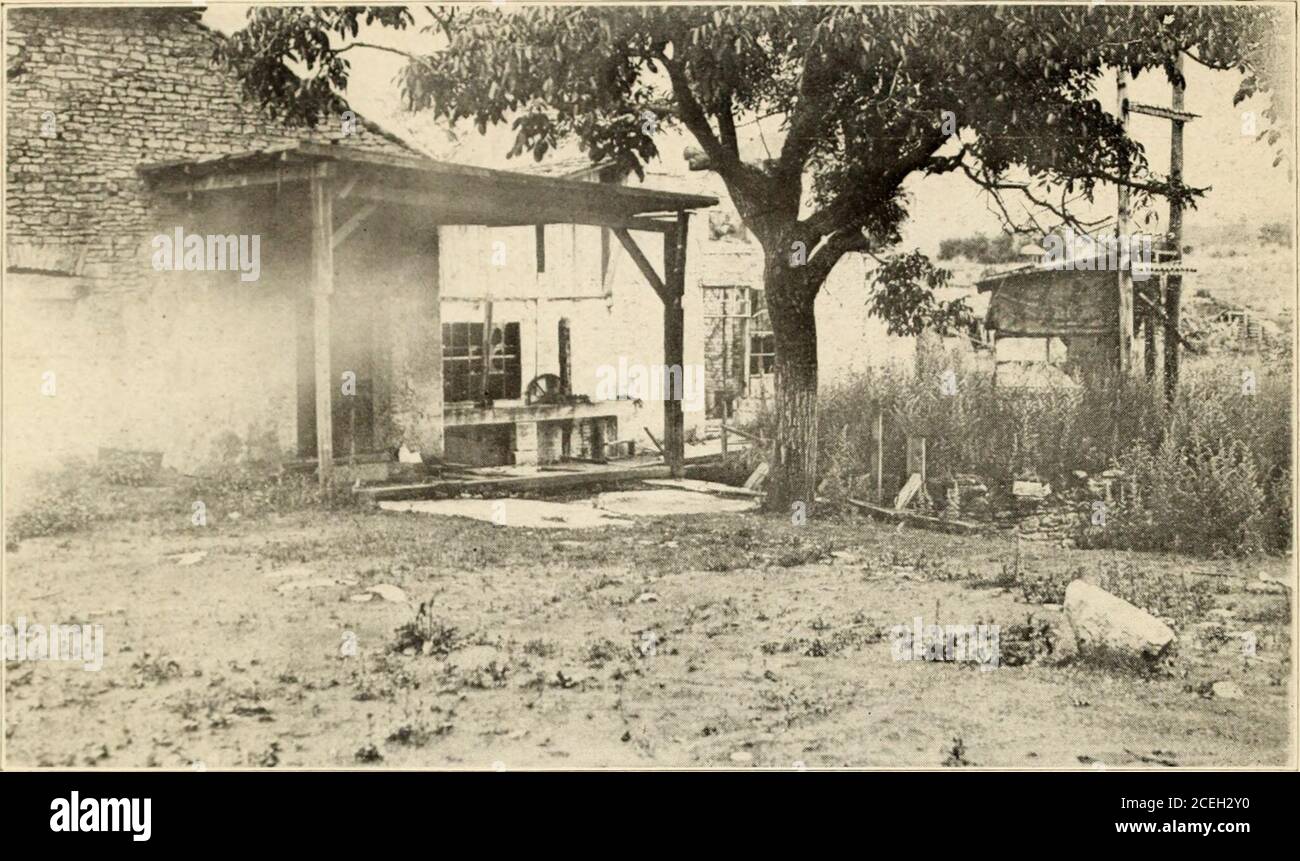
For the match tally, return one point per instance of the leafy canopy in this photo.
(867, 95)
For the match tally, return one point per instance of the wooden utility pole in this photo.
(1126, 342)
(1174, 283)
(1178, 117)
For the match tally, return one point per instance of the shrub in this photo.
(53, 514)
(1208, 474)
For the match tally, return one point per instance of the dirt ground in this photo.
(719, 640)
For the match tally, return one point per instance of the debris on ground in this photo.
(1111, 628)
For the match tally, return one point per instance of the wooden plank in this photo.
(638, 257)
(909, 491)
(911, 518)
(1176, 113)
(757, 477)
(349, 227)
(656, 442)
(273, 175)
(546, 481)
(322, 216)
(749, 436)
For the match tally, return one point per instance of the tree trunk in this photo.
(792, 478)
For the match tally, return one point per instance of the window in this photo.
(762, 343)
(462, 362)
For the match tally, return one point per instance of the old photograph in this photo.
(539, 386)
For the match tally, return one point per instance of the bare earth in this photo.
(719, 640)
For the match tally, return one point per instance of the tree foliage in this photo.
(864, 92)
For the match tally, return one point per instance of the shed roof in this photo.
(450, 193)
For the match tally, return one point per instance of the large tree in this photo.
(867, 97)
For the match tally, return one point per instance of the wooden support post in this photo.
(674, 345)
(1174, 284)
(1127, 345)
(486, 348)
(879, 437)
(322, 289)
(566, 357)
(1149, 340)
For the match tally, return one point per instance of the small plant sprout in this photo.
(199, 513)
(49, 384)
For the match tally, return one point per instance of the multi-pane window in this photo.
(462, 362)
(762, 343)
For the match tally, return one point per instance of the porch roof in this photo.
(449, 193)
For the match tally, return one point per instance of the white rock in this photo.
(1103, 623)
(1031, 489)
(1227, 691)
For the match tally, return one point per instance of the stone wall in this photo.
(141, 359)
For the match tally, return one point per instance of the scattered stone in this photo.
(1031, 489)
(1226, 690)
(1266, 587)
(1109, 627)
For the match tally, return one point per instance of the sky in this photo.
(1244, 184)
